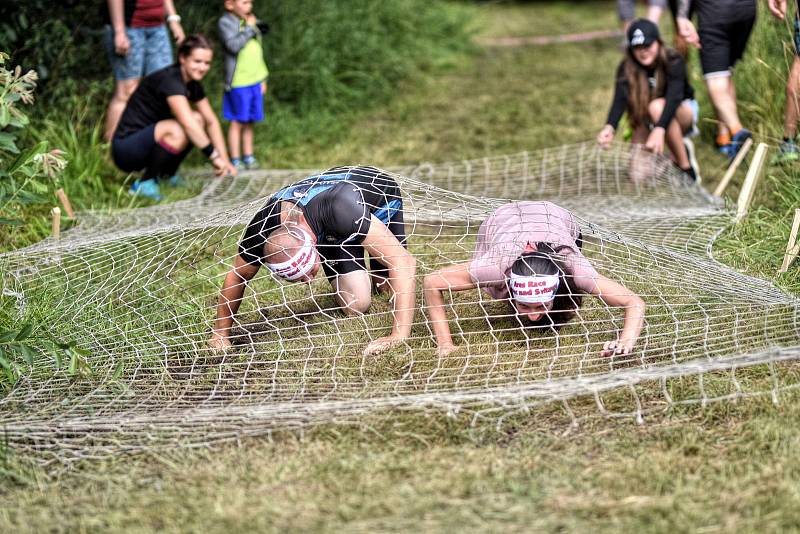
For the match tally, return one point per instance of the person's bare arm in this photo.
(615, 294)
(685, 27)
(214, 131)
(384, 247)
(182, 111)
(174, 25)
(777, 8)
(229, 300)
(451, 278)
(116, 12)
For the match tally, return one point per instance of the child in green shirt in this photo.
(245, 78)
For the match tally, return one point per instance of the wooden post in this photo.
(56, 213)
(792, 247)
(750, 181)
(62, 196)
(732, 167)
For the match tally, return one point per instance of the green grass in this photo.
(523, 19)
(733, 468)
(727, 467)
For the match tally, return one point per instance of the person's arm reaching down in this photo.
(116, 12)
(229, 300)
(383, 246)
(197, 135)
(615, 294)
(685, 27)
(451, 278)
(174, 22)
(214, 131)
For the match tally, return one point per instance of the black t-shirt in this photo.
(675, 90)
(148, 104)
(337, 204)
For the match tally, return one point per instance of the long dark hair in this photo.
(639, 91)
(546, 261)
(191, 42)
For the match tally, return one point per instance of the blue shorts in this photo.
(131, 153)
(150, 50)
(243, 104)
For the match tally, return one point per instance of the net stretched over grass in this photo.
(137, 290)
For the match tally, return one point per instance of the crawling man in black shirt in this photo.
(329, 219)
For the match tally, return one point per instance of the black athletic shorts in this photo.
(723, 43)
(343, 259)
(131, 152)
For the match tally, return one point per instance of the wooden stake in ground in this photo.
(56, 213)
(64, 199)
(750, 181)
(732, 167)
(792, 247)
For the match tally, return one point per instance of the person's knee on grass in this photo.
(353, 292)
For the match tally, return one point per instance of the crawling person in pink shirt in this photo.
(530, 253)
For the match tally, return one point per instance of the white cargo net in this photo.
(138, 289)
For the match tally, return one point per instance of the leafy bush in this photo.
(24, 176)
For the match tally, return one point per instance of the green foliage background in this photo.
(329, 62)
(322, 55)
(726, 467)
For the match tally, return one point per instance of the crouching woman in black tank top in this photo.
(159, 127)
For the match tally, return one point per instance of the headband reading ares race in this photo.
(298, 265)
(536, 289)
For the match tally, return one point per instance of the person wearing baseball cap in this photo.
(529, 253)
(653, 88)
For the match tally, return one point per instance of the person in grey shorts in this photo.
(627, 11)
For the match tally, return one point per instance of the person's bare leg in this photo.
(170, 132)
(641, 162)
(678, 126)
(723, 97)
(247, 138)
(123, 89)
(235, 139)
(353, 292)
(792, 94)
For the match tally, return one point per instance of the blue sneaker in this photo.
(146, 188)
(176, 180)
(250, 162)
(788, 152)
(738, 140)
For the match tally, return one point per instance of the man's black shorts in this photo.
(723, 43)
(343, 259)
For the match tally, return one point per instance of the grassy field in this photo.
(727, 467)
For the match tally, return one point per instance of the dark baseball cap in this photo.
(642, 32)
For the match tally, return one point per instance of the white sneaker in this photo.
(689, 144)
